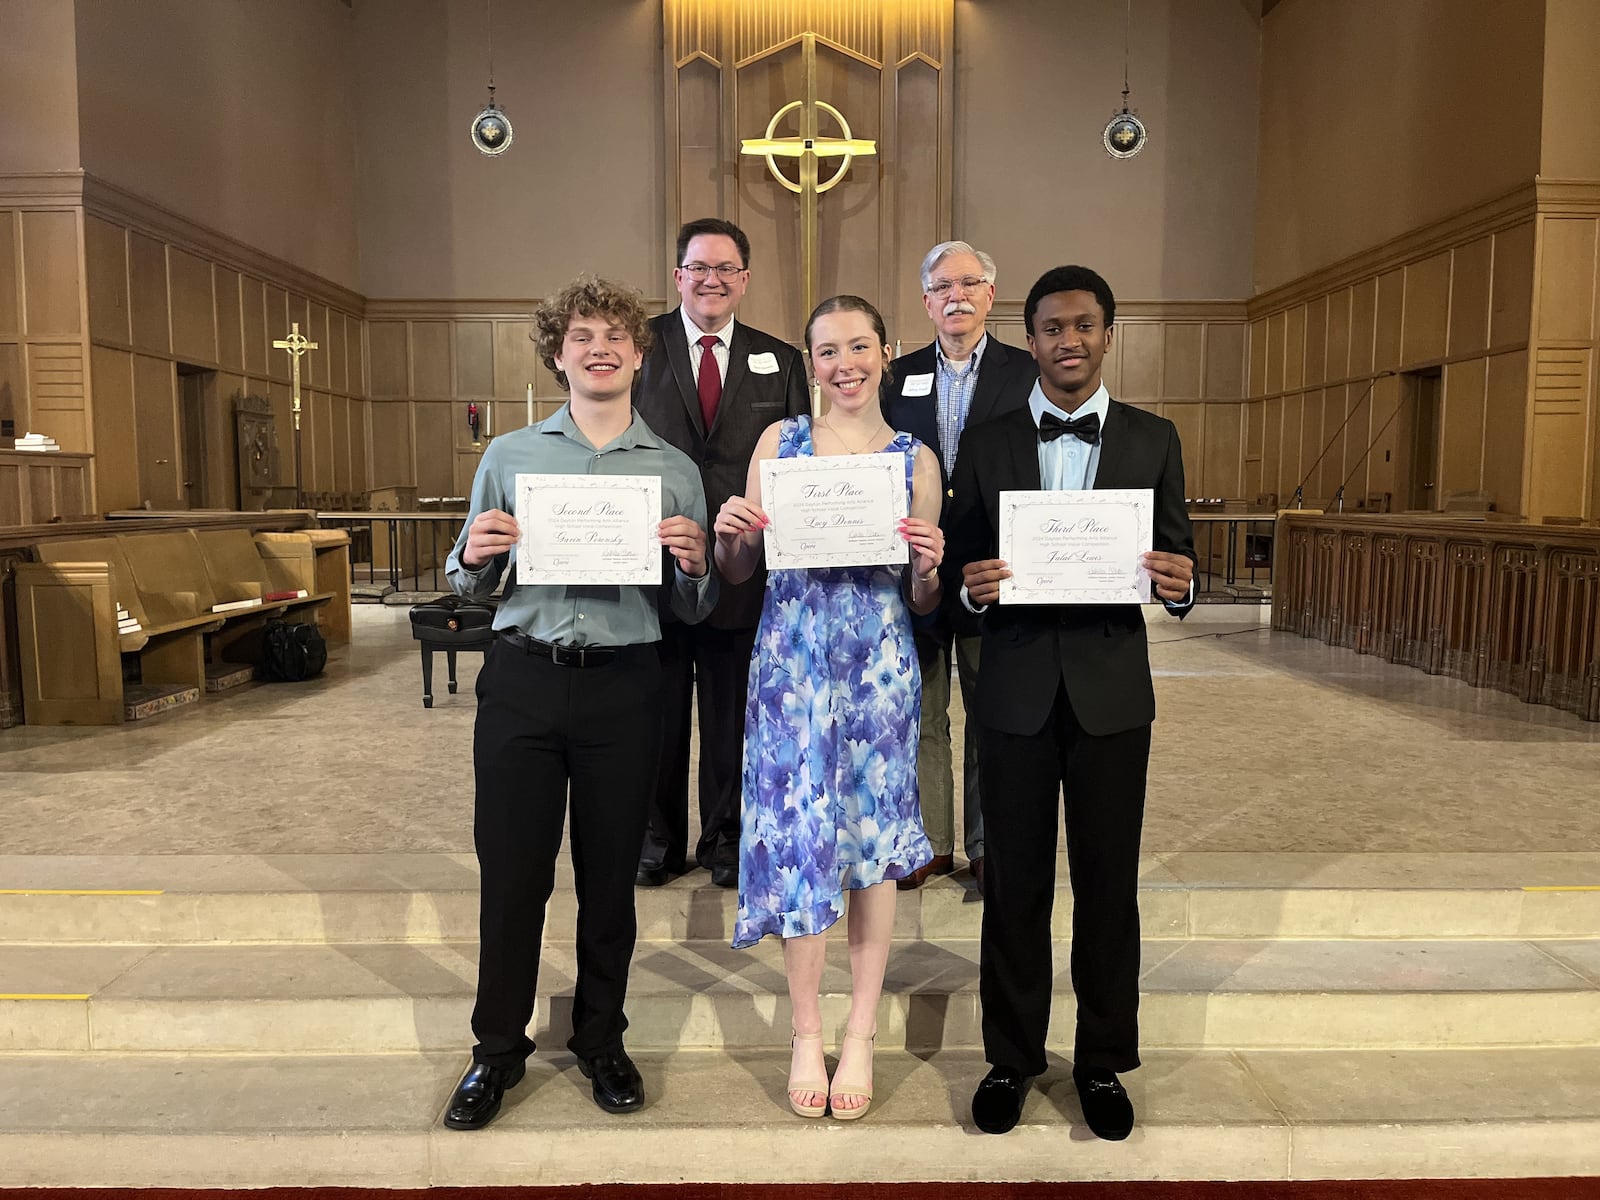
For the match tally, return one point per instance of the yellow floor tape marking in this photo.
(81, 892)
(42, 996)
(1587, 887)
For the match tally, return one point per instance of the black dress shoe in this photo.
(476, 1100)
(997, 1104)
(725, 875)
(1106, 1106)
(651, 876)
(617, 1086)
(977, 873)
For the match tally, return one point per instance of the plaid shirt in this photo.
(956, 385)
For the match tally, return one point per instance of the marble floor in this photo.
(1264, 742)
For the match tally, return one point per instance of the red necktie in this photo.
(710, 381)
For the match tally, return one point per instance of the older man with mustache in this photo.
(963, 377)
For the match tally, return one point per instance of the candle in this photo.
(530, 404)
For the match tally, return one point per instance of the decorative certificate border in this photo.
(640, 494)
(787, 545)
(1073, 505)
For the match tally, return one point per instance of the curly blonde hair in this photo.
(587, 296)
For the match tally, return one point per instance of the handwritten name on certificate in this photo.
(1076, 547)
(588, 529)
(834, 511)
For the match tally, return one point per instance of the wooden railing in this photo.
(1498, 604)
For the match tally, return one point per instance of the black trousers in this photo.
(543, 730)
(1104, 783)
(713, 666)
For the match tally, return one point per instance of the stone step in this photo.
(114, 1120)
(202, 899)
(1198, 994)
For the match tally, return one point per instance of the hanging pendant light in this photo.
(491, 128)
(1125, 135)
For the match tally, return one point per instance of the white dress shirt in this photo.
(697, 352)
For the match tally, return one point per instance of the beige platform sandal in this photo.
(818, 1086)
(851, 1088)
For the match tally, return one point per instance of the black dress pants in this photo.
(1104, 783)
(712, 665)
(544, 729)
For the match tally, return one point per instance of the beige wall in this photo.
(1379, 117)
(581, 187)
(1570, 139)
(38, 86)
(1036, 82)
(237, 115)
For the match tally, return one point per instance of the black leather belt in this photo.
(562, 656)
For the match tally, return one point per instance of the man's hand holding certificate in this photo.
(1075, 547)
(834, 511)
(588, 529)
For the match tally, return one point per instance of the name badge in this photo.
(764, 364)
(917, 385)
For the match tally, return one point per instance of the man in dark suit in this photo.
(964, 376)
(1066, 702)
(709, 387)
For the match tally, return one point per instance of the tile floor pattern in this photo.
(1371, 900)
(1264, 742)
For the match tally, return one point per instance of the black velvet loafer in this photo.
(997, 1104)
(476, 1100)
(1106, 1107)
(617, 1086)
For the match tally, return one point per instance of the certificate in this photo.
(834, 511)
(588, 529)
(1076, 547)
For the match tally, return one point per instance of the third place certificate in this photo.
(1078, 547)
(834, 511)
(588, 529)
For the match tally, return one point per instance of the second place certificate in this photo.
(834, 511)
(588, 529)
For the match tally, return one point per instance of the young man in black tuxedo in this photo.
(962, 377)
(710, 385)
(1065, 702)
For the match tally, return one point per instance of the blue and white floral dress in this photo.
(830, 739)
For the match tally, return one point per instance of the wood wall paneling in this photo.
(1567, 279)
(147, 294)
(277, 312)
(106, 269)
(915, 225)
(1223, 457)
(516, 363)
(339, 419)
(1363, 327)
(474, 358)
(1183, 359)
(1339, 318)
(1190, 421)
(1316, 355)
(435, 451)
(1277, 331)
(430, 358)
(334, 352)
(1140, 377)
(387, 351)
(155, 420)
(194, 308)
(10, 277)
(1511, 288)
(1390, 320)
(51, 280)
(1504, 432)
(316, 361)
(392, 461)
(252, 294)
(230, 328)
(1470, 281)
(1426, 323)
(13, 389)
(1461, 433)
(699, 129)
(1258, 358)
(1225, 361)
(116, 472)
(1294, 348)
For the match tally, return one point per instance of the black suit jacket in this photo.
(1098, 651)
(751, 400)
(1006, 376)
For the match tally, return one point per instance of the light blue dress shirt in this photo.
(582, 615)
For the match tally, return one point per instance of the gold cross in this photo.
(296, 344)
(809, 147)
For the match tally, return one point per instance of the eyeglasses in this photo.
(698, 271)
(943, 287)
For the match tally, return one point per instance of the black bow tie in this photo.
(1085, 428)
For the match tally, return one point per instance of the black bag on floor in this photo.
(291, 652)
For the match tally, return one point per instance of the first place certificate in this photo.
(1079, 547)
(588, 529)
(834, 511)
